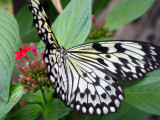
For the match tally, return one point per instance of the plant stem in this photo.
(43, 97)
(57, 4)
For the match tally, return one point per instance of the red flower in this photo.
(22, 52)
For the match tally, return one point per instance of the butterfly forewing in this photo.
(122, 60)
(42, 23)
(53, 56)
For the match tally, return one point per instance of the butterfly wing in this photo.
(87, 76)
(53, 56)
(42, 23)
(122, 60)
(94, 70)
(90, 89)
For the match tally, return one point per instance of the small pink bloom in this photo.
(37, 87)
(33, 48)
(26, 87)
(50, 88)
(42, 56)
(94, 19)
(34, 90)
(30, 64)
(21, 76)
(29, 79)
(20, 68)
(21, 80)
(103, 22)
(42, 79)
(36, 64)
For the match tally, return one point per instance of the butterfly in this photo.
(87, 76)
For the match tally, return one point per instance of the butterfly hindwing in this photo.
(91, 90)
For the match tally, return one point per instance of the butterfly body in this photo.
(87, 76)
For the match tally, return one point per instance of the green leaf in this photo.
(64, 3)
(98, 5)
(9, 39)
(41, 47)
(55, 110)
(145, 95)
(73, 24)
(147, 80)
(126, 11)
(28, 112)
(126, 112)
(36, 97)
(25, 20)
(15, 94)
(5, 3)
(31, 36)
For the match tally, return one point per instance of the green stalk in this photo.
(43, 97)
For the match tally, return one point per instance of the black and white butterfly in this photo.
(87, 76)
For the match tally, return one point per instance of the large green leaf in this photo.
(9, 39)
(146, 97)
(55, 110)
(126, 11)
(64, 3)
(144, 94)
(147, 80)
(31, 36)
(28, 112)
(36, 97)
(25, 20)
(15, 95)
(73, 24)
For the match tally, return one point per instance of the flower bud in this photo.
(21, 76)
(50, 88)
(94, 19)
(37, 87)
(42, 79)
(46, 71)
(34, 90)
(30, 75)
(36, 64)
(21, 80)
(33, 48)
(42, 56)
(26, 87)
(20, 68)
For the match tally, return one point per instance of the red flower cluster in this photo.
(34, 73)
